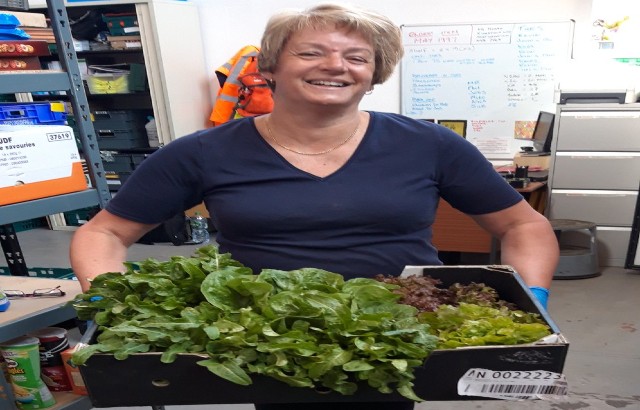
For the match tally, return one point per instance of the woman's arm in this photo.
(101, 244)
(527, 242)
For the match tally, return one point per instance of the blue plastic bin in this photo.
(45, 113)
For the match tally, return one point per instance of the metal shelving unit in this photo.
(70, 81)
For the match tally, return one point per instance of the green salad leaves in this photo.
(307, 328)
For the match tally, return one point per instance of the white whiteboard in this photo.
(495, 76)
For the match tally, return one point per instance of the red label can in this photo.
(53, 340)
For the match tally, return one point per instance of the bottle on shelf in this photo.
(152, 132)
(199, 229)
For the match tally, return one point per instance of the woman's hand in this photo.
(101, 244)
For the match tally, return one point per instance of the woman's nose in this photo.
(334, 62)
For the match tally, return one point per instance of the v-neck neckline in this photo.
(291, 164)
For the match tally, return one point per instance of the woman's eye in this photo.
(308, 54)
(358, 59)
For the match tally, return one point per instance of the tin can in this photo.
(23, 365)
(53, 341)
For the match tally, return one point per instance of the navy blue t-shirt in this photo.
(372, 216)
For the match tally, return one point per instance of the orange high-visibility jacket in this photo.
(227, 98)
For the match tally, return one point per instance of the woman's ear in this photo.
(268, 77)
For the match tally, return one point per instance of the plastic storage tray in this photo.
(14, 4)
(121, 129)
(46, 113)
(118, 139)
(113, 118)
(123, 161)
(119, 166)
(105, 83)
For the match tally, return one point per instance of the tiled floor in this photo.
(599, 316)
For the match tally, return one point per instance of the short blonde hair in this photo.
(383, 34)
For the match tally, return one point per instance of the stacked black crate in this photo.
(123, 142)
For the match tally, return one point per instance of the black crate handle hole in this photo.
(160, 382)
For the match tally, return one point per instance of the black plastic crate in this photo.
(157, 383)
(116, 118)
(123, 161)
(14, 4)
(121, 129)
(116, 139)
(117, 163)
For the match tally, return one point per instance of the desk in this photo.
(454, 231)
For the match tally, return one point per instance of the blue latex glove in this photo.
(85, 324)
(541, 294)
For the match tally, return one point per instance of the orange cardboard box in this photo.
(24, 48)
(38, 161)
(77, 383)
(20, 63)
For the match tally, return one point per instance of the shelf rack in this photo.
(70, 81)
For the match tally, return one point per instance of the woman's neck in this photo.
(313, 126)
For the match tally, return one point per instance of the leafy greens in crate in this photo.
(307, 327)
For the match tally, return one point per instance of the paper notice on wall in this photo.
(488, 136)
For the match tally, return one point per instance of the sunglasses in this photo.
(38, 293)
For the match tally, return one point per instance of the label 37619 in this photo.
(59, 136)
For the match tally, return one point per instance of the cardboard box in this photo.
(10, 48)
(19, 63)
(541, 161)
(125, 42)
(37, 161)
(28, 19)
(77, 384)
(183, 382)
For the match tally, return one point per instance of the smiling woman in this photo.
(319, 183)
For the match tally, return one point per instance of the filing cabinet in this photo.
(595, 172)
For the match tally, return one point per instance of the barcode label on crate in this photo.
(512, 385)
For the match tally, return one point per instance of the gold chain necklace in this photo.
(273, 138)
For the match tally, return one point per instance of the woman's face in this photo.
(326, 66)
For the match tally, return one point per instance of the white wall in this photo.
(230, 24)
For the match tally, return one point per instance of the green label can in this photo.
(22, 358)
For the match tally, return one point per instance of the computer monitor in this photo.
(543, 133)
